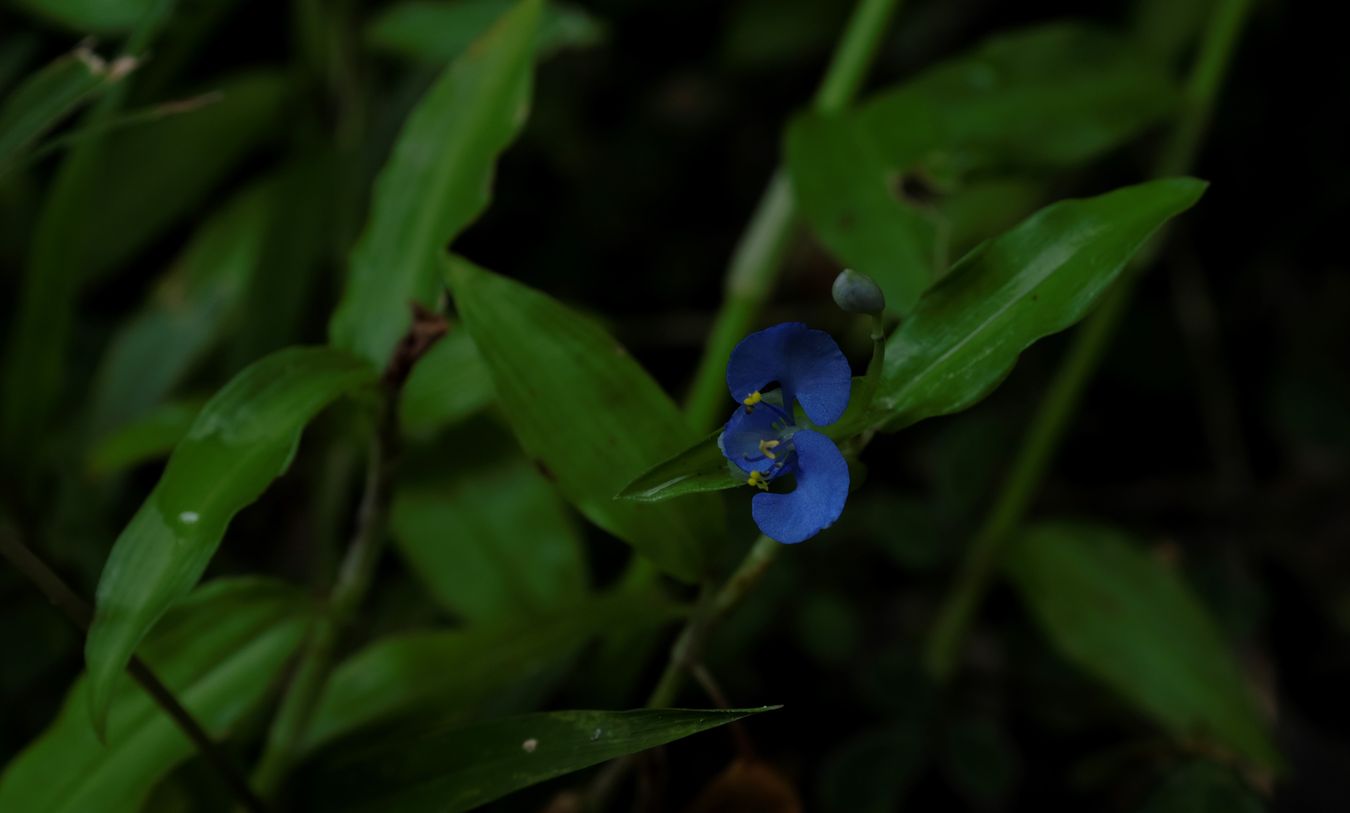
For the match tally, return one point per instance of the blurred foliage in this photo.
(424, 558)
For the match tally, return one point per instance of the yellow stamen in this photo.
(752, 399)
(758, 480)
(765, 446)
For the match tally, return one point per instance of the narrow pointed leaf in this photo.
(49, 96)
(220, 651)
(454, 769)
(480, 670)
(147, 438)
(1037, 279)
(1131, 622)
(243, 439)
(1046, 98)
(186, 316)
(701, 467)
(587, 411)
(435, 183)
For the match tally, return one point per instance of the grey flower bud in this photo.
(857, 293)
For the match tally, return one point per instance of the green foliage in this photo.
(47, 97)
(1045, 98)
(587, 413)
(1037, 279)
(1130, 621)
(220, 650)
(435, 31)
(450, 383)
(94, 16)
(435, 183)
(458, 768)
(474, 672)
(492, 543)
(242, 439)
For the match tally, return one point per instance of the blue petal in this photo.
(741, 438)
(806, 363)
(818, 499)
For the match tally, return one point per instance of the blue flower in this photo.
(762, 437)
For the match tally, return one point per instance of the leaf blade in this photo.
(581, 406)
(1037, 279)
(476, 764)
(1133, 624)
(241, 440)
(435, 183)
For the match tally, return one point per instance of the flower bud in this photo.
(857, 293)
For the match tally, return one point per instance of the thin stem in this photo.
(1091, 342)
(688, 648)
(78, 611)
(286, 739)
(759, 254)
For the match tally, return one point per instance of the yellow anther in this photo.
(766, 447)
(752, 399)
(758, 480)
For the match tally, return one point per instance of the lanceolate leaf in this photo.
(471, 672)
(435, 183)
(1132, 623)
(220, 651)
(152, 436)
(243, 439)
(1049, 97)
(1039, 278)
(588, 412)
(187, 314)
(48, 96)
(453, 769)
(701, 467)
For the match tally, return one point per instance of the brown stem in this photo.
(79, 612)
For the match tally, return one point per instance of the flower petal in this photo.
(818, 499)
(740, 440)
(806, 363)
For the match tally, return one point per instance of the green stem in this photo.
(285, 740)
(759, 254)
(688, 648)
(1091, 342)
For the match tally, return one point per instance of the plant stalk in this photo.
(63, 598)
(1062, 398)
(758, 256)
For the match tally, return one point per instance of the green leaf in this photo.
(92, 16)
(701, 467)
(450, 383)
(190, 311)
(1131, 622)
(466, 673)
(158, 173)
(1037, 279)
(220, 651)
(1049, 97)
(436, 182)
(438, 32)
(243, 439)
(50, 95)
(453, 769)
(1203, 787)
(587, 412)
(147, 438)
(491, 543)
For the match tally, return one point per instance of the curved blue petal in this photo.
(818, 499)
(740, 440)
(806, 363)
